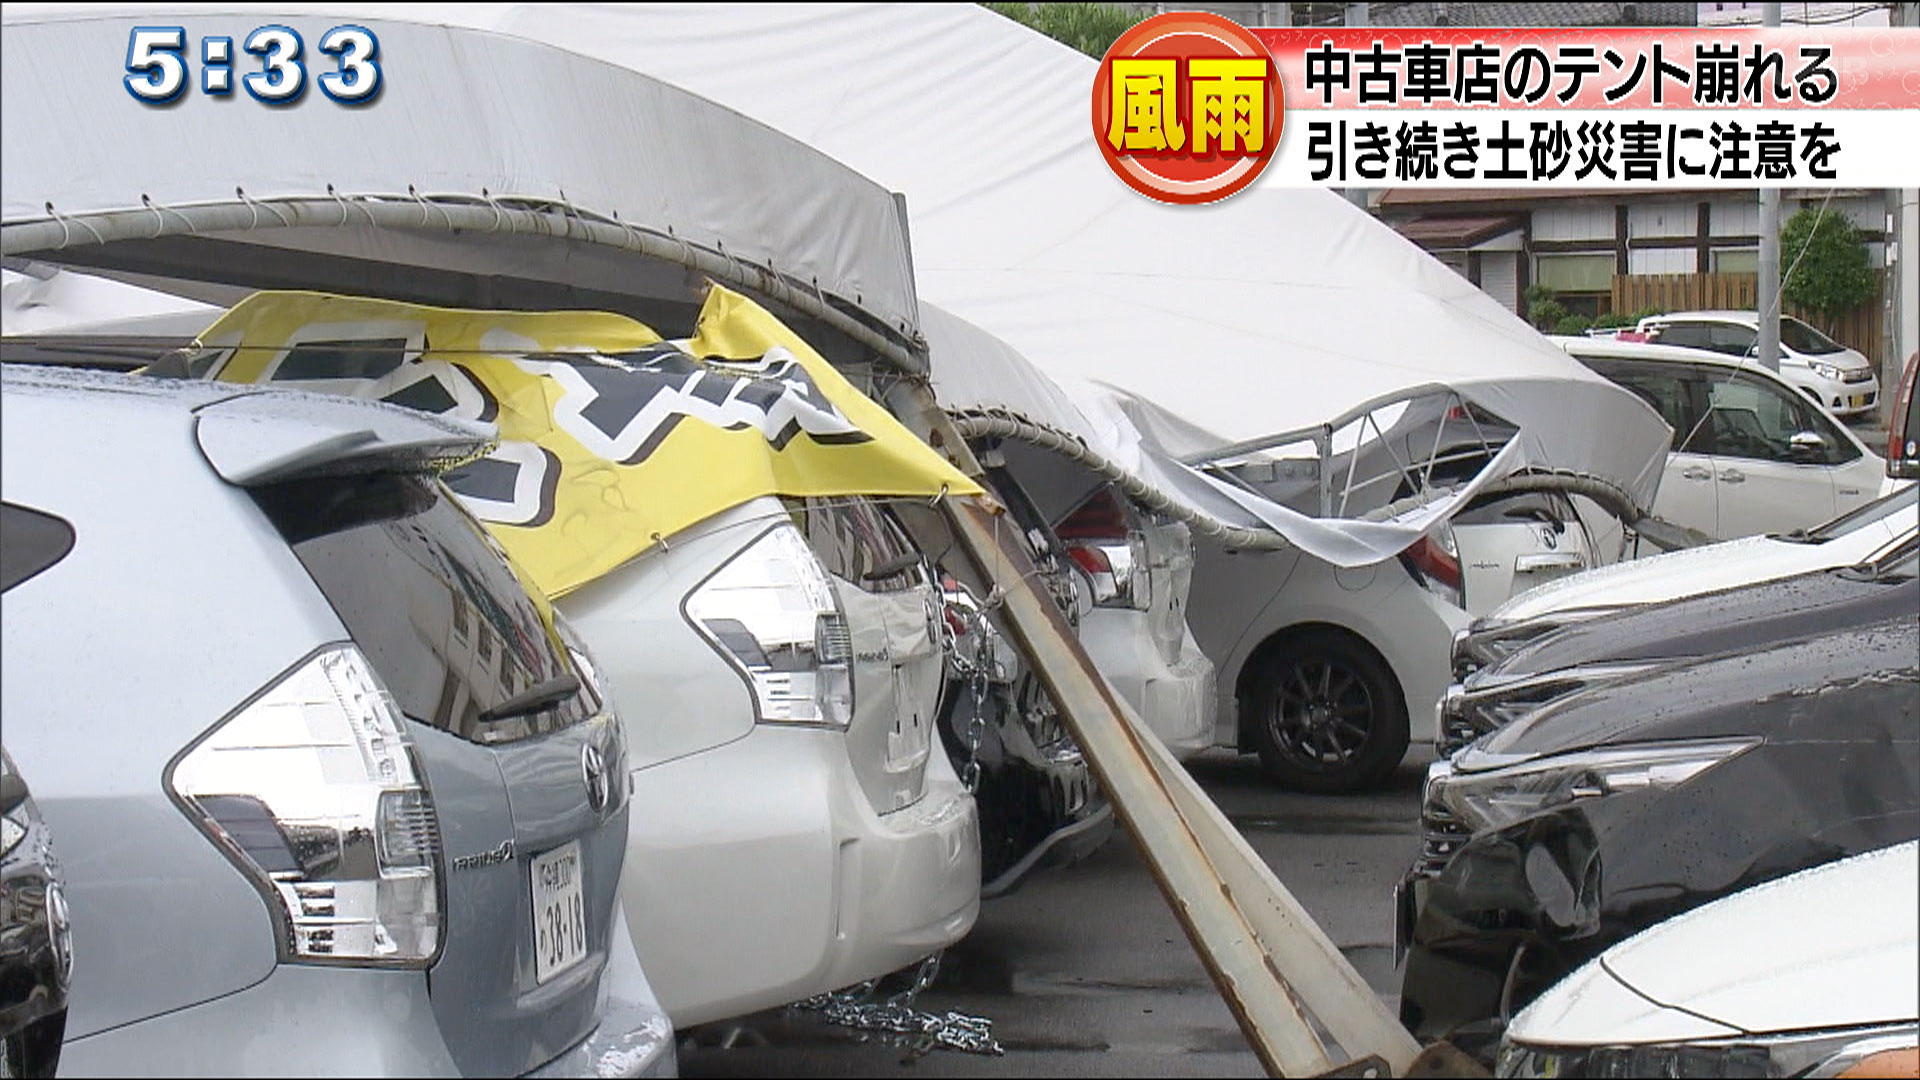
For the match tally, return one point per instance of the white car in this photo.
(1807, 975)
(1327, 673)
(796, 827)
(1844, 541)
(1132, 578)
(1842, 380)
(1136, 576)
(1750, 454)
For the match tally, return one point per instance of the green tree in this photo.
(1090, 28)
(1829, 264)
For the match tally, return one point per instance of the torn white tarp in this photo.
(470, 129)
(1276, 310)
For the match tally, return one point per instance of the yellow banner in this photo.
(611, 438)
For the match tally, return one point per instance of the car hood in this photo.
(1802, 605)
(1831, 947)
(1668, 576)
(1860, 676)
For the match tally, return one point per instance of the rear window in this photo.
(858, 541)
(1537, 506)
(430, 598)
(1691, 335)
(30, 541)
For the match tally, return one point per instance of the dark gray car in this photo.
(334, 793)
(1619, 806)
(36, 937)
(1584, 654)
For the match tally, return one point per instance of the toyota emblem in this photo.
(594, 766)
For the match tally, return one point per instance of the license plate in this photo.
(559, 912)
(1857, 401)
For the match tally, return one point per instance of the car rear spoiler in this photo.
(261, 437)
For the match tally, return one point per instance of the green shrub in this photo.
(1831, 277)
(1572, 325)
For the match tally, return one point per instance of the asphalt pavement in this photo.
(1084, 971)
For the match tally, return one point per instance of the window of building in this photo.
(1582, 282)
(1735, 261)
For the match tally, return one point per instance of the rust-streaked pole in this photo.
(1264, 952)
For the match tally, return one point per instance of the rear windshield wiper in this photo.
(534, 698)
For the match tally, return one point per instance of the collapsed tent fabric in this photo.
(1190, 332)
(1275, 310)
(470, 129)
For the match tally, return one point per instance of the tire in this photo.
(1327, 713)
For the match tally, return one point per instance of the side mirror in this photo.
(1807, 446)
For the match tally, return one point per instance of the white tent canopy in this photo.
(518, 164)
(1276, 310)
(1181, 333)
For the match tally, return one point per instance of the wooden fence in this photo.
(1862, 328)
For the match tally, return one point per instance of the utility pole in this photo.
(1358, 15)
(1769, 290)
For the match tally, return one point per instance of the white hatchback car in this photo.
(1750, 454)
(1132, 576)
(1842, 380)
(1808, 975)
(796, 826)
(1328, 673)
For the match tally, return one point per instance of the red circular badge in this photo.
(1187, 107)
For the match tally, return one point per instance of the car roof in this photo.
(1615, 349)
(255, 434)
(183, 395)
(1751, 318)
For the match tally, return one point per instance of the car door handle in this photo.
(1733, 476)
(1695, 472)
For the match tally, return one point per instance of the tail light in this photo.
(1100, 540)
(1903, 455)
(1434, 562)
(313, 790)
(773, 613)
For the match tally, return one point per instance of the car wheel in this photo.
(1328, 715)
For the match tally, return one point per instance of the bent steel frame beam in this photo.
(899, 347)
(1611, 497)
(1274, 967)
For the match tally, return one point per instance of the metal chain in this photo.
(855, 1008)
(979, 670)
(983, 665)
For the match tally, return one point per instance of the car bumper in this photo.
(916, 880)
(317, 1021)
(298, 1021)
(634, 1037)
(1839, 397)
(1177, 698)
(1490, 921)
(780, 881)
(1420, 654)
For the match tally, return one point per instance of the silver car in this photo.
(334, 793)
